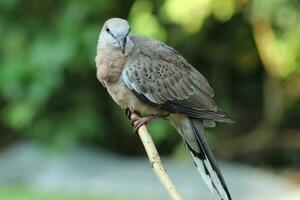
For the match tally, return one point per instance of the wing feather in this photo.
(161, 77)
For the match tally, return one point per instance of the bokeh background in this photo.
(52, 107)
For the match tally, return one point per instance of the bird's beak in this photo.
(122, 43)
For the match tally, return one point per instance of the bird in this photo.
(148, 77)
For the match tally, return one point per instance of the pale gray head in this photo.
(115, 33)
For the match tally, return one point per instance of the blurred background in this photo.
(62, 136)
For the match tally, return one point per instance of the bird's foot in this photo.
(140, 121)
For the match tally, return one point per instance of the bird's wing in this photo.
(159, 76)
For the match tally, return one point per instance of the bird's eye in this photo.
(107, 30)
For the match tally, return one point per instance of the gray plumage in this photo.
(162, 75)
(147, 76)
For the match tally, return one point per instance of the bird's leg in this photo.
(127, 113)
(138, 122)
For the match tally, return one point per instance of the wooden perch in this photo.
(156, 163)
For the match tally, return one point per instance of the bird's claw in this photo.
(137, 123)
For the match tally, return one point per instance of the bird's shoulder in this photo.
(156, 49)
(149, 51)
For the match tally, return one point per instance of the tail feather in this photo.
(206, 163)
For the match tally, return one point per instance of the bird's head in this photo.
(115, 33)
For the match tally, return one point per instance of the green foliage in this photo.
(284, 17)
(47, 65)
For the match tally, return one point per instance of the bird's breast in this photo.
(109, 71)
(109, 65)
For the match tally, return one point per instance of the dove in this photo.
(146, 76)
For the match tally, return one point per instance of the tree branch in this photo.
(156, 163)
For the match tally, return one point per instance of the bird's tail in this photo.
(206, 164)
